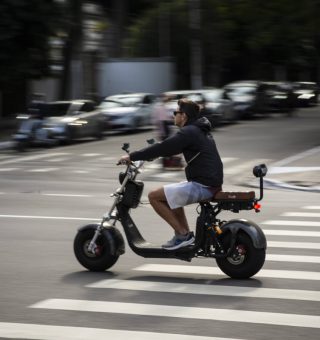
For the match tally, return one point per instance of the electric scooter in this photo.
(238, 245)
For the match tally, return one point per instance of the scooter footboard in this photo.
(250, 228)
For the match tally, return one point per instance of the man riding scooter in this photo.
(204, 170)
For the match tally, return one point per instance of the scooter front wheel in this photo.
(101, 258)
(244, 261)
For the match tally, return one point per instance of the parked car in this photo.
(127, 112)
(281, 97)
(214, 106)
(306, 93)
(249, 97)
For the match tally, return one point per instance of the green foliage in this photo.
(240, 36)
(25, 27)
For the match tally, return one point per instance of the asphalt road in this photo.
(46, 194)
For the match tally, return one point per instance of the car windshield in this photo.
(54, 110)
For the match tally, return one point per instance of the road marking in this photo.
(67, 195)
(91, 154)
(292, 233)
(42, 170)
(292, 169)
(46, 332)
(312, 207)
(33, 157)
(203, 270)
(232, 315)
(61, 159)
(51, 217)
(296, 157)
(294, 245)
(80, 171)
(293, 223)
(8, 169)
(228, 159)
(232, 170)
(208, 289)
(293, 258)
(300, 214)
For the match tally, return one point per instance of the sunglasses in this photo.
(177, 112)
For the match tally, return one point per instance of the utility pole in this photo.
(195, 44)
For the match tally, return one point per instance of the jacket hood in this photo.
(203, 123)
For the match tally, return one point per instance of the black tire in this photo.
(241, 266)
(103, 259)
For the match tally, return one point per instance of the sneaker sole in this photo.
(181, 245)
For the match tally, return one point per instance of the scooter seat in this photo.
(223, 196)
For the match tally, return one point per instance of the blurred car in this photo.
(127, 112)
(249, 97)
(69, 120)
(280, 97)
(306, 93)
(214, 106)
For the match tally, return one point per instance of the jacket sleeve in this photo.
(170, 146)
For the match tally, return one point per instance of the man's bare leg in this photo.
(175, 217)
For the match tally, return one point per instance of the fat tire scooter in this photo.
(238, 245)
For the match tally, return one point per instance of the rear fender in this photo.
(113, 236)
(250, 228)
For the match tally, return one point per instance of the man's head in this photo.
(188, 110)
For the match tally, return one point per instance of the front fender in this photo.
(113, 236)
(250, 228)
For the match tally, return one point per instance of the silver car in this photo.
(127, 112)
(69, 120)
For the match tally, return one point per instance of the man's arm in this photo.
(170, 146)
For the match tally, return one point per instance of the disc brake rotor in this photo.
(238, 256)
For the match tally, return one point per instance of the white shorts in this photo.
(180, 194)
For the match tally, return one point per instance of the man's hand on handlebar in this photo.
(124, 160)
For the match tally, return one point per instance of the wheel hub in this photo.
(238, 255)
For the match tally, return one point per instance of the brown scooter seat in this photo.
(222, 196)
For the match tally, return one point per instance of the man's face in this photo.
(180, 118)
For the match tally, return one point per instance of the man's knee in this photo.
(157, 195)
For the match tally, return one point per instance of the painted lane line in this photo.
(293, 223)
(300, 214)
(91, 154)
(42, 170)
(292, 233)
(296, 157)
(231, 315)
(203, 289)
(228, 159)
(202, 270)
(294, 245)
(67, 195)
(61, 159)
(34, 157)
(9, 169)
(51, 217)
(232, 170)
(46, 332)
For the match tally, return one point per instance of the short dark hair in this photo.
(190, 108)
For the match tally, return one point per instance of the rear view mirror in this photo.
(260, 170)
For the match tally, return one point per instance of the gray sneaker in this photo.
(179, 241)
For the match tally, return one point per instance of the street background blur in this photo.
(69, 49)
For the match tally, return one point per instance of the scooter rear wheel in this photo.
(102, 257)
(245, 260)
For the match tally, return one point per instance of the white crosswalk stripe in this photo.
(281, 319)
(48, 332)
(203, 270)
(208, 289)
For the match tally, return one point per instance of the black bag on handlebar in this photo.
(132, 194)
